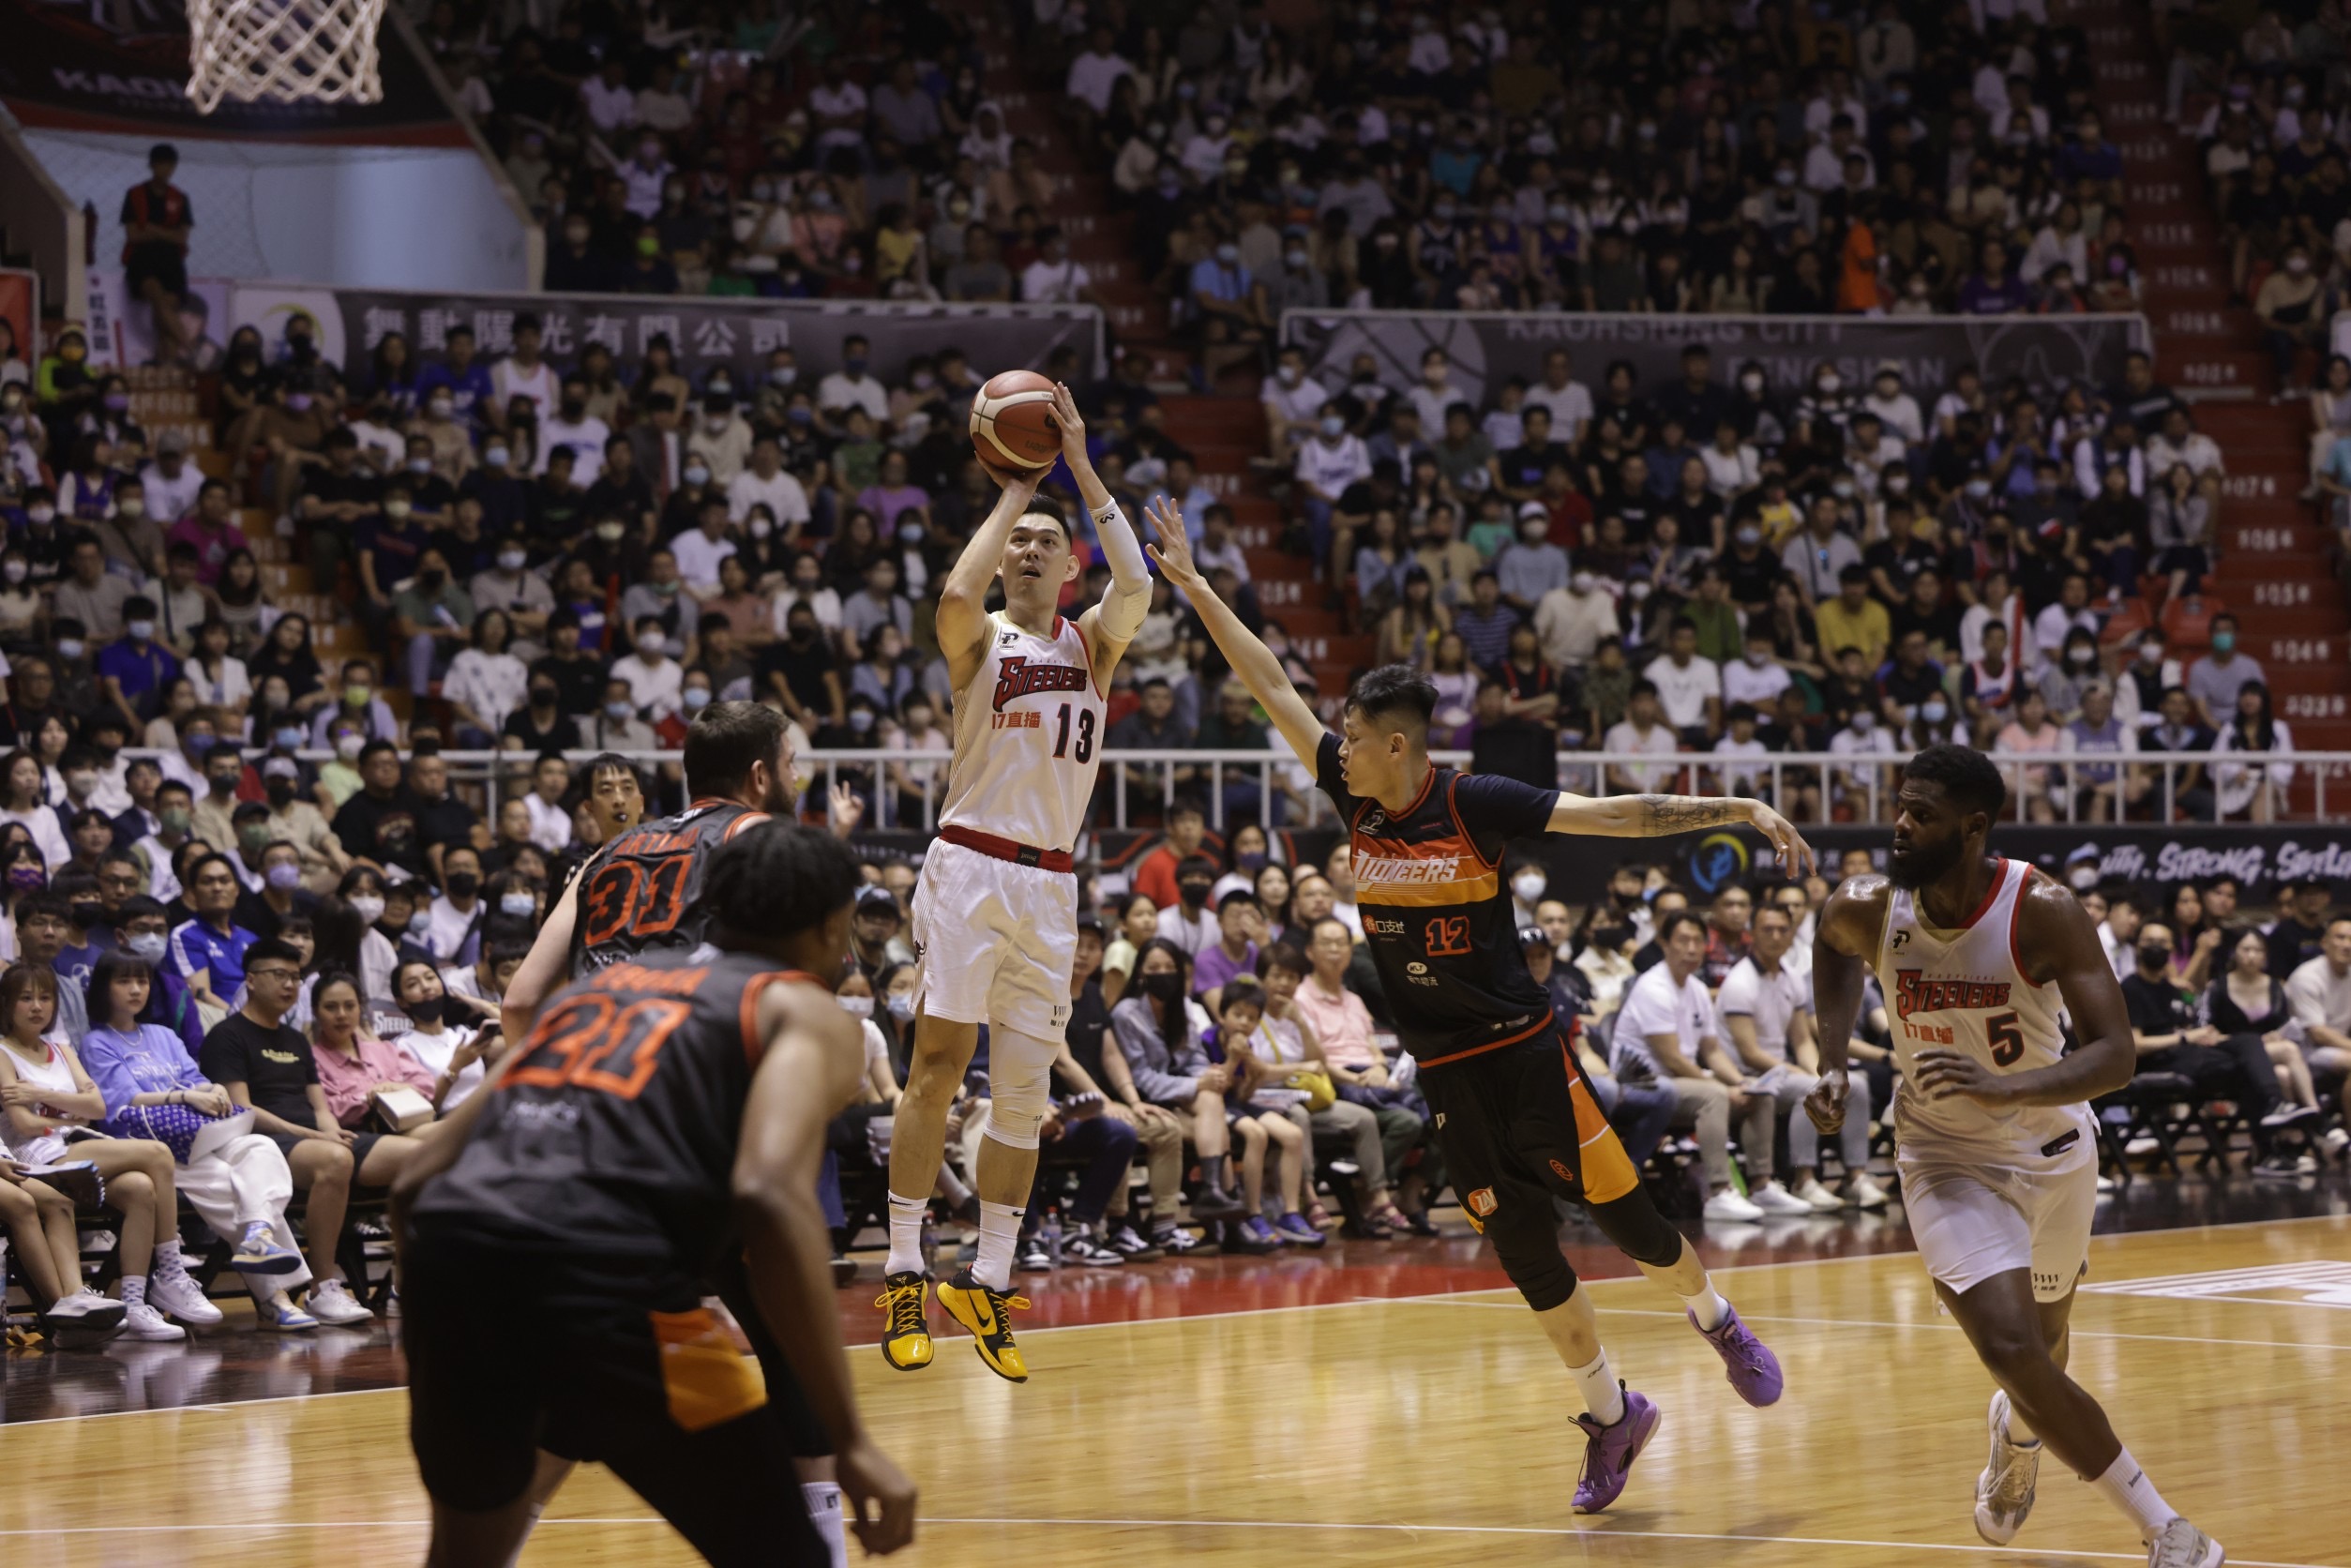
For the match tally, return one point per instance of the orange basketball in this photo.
(1012, 423)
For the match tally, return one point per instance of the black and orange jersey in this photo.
(1428, 885)
(614, 1133)
(642, 893)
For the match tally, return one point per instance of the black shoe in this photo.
(1173, 1241)
(1419, 1225)
(1214, 1203)
(1123, 1241)
(1369, 1231)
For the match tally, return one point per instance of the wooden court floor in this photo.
(1423, 1430)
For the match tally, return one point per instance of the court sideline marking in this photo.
(1414, 1529)
(1878, 1323)
(1438, 1297)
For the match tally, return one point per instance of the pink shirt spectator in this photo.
(886, 504)
(349, 1081)
(1341, 1023)
(213, 546)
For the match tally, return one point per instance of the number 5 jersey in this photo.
(1967, 990)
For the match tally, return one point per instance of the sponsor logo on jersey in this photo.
(1914, 994)
(1016, 677)
(1380, 927)
(1562, 1172)
(1400, 870)
(1481, 1202)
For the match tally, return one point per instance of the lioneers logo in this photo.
(1016, 677)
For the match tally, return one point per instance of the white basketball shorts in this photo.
(1973, 1222)
(995, 940)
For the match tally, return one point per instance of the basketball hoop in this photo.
(323, 51)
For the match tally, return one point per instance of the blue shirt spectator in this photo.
(136, 667)
(149, 1060)
(199, 946)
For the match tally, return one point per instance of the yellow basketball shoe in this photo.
(906, 1342)
(982, 1310)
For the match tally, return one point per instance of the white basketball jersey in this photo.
(1967, 990)
(1028, 738)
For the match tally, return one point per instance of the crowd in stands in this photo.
(558, 554)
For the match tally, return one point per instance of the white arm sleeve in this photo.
(1128, 598)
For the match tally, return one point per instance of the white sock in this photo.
(823, 1498)
(1000, 1233)
(2020, 1432)
(1604, 1397)
(906, 1235)
(2126, 1486)
(1707, 1307)
(134, 1289)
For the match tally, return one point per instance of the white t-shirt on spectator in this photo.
(551, 825)
(436, 1051)
(1093, 76)
(1624, 739)
(1044, 282)
(1570, 406)
(645, 186)
(1194, 935)
(840, 390)
(1298, 404)
(786, 500)
(586, 439)
(1745, 683)
(2055, 623)
(2317, 995)
(1683, 689)
(608, 109)
(1330, 468)
(1899, 414)
(1744, 773)
(654, 684)
(449, 927)
(844, 102)
(508, 381)
(1653, 1004)
(699, 554)
(169, 500)
(1772, 1000)
(824, 604)
(1432, 404)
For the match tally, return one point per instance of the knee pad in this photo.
(1019, 1073)
(1526, 1238)
(1636, 1229)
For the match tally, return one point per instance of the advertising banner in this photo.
(69, 64)
(1486, 350)
(122, 329)
(705, 333)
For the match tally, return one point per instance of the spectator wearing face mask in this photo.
(295, 821)
(1187, 921)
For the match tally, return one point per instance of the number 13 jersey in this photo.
(1967, 990)
(1028, 738)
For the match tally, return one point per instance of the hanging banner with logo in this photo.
(1486, 350)
(122, 67)
(706, 334)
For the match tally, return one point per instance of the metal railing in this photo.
(905, 789)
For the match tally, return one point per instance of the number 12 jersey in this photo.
(1967, 990)
(1028, 737)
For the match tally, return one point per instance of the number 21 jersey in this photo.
(1967, 990)
(1028, 738)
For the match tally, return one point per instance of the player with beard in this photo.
(1979, 957)
(642, 893)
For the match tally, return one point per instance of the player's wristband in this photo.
(1104, 512)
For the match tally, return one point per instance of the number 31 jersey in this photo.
(1967, 990)
(1028, 738)
(642, 893)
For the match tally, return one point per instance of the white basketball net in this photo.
(288, 49)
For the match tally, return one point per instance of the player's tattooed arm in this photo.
(1657, 816)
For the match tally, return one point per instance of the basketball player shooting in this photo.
(996, 909)
(1993, 1136)
(1516, 1120)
